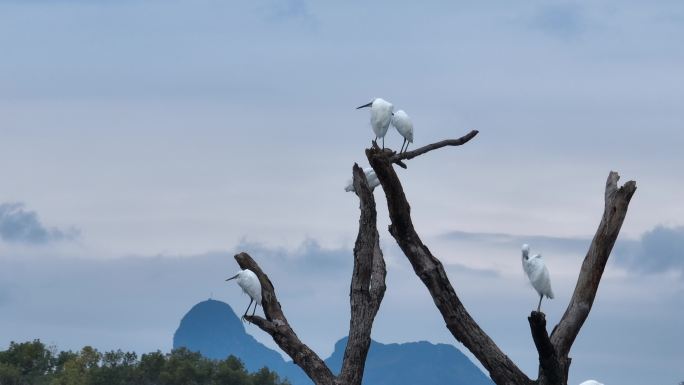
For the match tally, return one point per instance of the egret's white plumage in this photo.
(381, 116)
(249, 282)
(591, 382)
(372, 179)
(404, 125)
(537, 273)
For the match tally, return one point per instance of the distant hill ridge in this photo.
(212, 328)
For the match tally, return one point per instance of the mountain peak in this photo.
(208, 320)
(212, 328)
(419, 362)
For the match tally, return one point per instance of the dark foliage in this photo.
(33, 363)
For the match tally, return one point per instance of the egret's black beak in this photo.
(365, 105)
(233, 277)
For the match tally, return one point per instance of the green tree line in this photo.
(33, 363)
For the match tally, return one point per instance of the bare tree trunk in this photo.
(367, 286)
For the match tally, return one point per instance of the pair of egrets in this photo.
(382, 115)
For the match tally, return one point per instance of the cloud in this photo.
(309, 255)
(291, 9)
(563, 21)
(463, 269)
(515, 241)
(658, 250)
(18, 225)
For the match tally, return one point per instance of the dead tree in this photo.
(368, 285)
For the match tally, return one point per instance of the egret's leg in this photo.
(383, 142)
(248, 306)
(540, 298)
(255, 305)
(407, 144)
(402, 146)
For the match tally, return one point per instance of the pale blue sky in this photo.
(147, 137)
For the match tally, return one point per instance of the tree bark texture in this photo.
(367, 286)
(550, 370)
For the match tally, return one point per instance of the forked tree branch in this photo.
(616, 204)
(277, 326)
(367, 291)
(430, 270)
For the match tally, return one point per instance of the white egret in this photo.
(372, 179)
(249, 282)
(381, 115)
(403, 124)
(537, 273)
(591, 382)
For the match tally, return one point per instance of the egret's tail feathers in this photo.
(550, 294)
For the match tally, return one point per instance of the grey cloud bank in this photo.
(657, 251)
(136, 302)
(564, 20)
(18, 225)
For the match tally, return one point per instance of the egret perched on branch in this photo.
(403, 124)
(591, 382)
(372, 179)
(381, 115)
(537, 273)
(249, 282)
